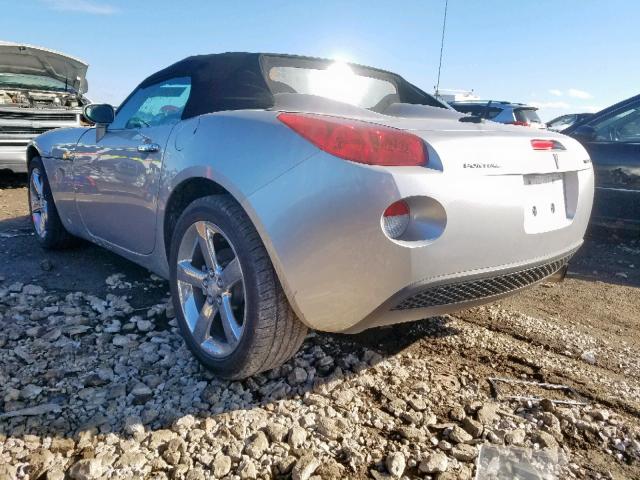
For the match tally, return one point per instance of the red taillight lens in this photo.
(395, 219)
(396, 209)
(539, 144)
(522, 124)
(358, 141)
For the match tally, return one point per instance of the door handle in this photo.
(148, 147)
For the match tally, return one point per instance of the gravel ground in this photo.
(95, 381)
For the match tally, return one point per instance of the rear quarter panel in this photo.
(242, 151)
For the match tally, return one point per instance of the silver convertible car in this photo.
(279, 193)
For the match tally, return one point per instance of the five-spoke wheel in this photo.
(211, 288)
(230, 307)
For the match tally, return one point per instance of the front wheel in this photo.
(230, 307)
(45, 220)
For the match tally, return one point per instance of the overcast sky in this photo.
(563, 56)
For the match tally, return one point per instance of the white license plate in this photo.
(544, 203)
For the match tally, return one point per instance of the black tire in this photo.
(53, 236)
(272, 333)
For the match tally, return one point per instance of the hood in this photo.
(27, 59)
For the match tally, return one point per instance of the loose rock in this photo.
(395, 464)
(304, 467)
(435, 462)
(221, 465)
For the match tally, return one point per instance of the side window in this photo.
(159, 104)
(493, 112)
(563, 121)
(623, 127)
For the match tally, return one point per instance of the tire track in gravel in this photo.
(455, 356)
(618, 357)
(591, 381)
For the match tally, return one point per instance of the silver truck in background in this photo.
(40, 90)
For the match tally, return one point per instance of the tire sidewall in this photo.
(200, 211)
(45, 239)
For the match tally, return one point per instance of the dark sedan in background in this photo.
(612, 138)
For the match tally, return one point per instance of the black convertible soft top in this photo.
(237, 81)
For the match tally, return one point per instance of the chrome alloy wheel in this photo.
(211, 289)
(38, 204)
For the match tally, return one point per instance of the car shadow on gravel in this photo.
(393, 339)
(609, 256)
(12, 180)
(83, 267)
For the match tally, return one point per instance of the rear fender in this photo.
(241, 151)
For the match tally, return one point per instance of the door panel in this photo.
(117, 186)
(617, 174)
(117, 176)
(615, 153)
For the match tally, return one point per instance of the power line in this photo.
(444, 24)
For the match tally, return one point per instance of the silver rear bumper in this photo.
(426, 300)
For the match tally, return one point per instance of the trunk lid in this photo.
(458, 147)
(484, 148)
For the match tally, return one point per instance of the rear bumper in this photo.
(463, 291)
(13, 157)
(320, 222)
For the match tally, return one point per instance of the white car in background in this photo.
(502, 112)
(40, 90)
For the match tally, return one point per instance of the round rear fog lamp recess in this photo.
(395, 219)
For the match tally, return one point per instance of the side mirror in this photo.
(99, 113)
(584, 133)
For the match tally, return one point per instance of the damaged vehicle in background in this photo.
(40, 90)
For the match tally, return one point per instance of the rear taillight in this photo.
(358, 141)
(520, 123)
(395, 219)
(545, 144)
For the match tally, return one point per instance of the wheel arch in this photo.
(32, 152)
(181, 197)
(192, 188)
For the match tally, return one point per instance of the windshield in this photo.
(362, 87)
(39, 82)
(527, 115)
(563, 120)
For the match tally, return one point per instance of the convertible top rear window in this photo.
(337, 82)
(238, 81)
(354, 84)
